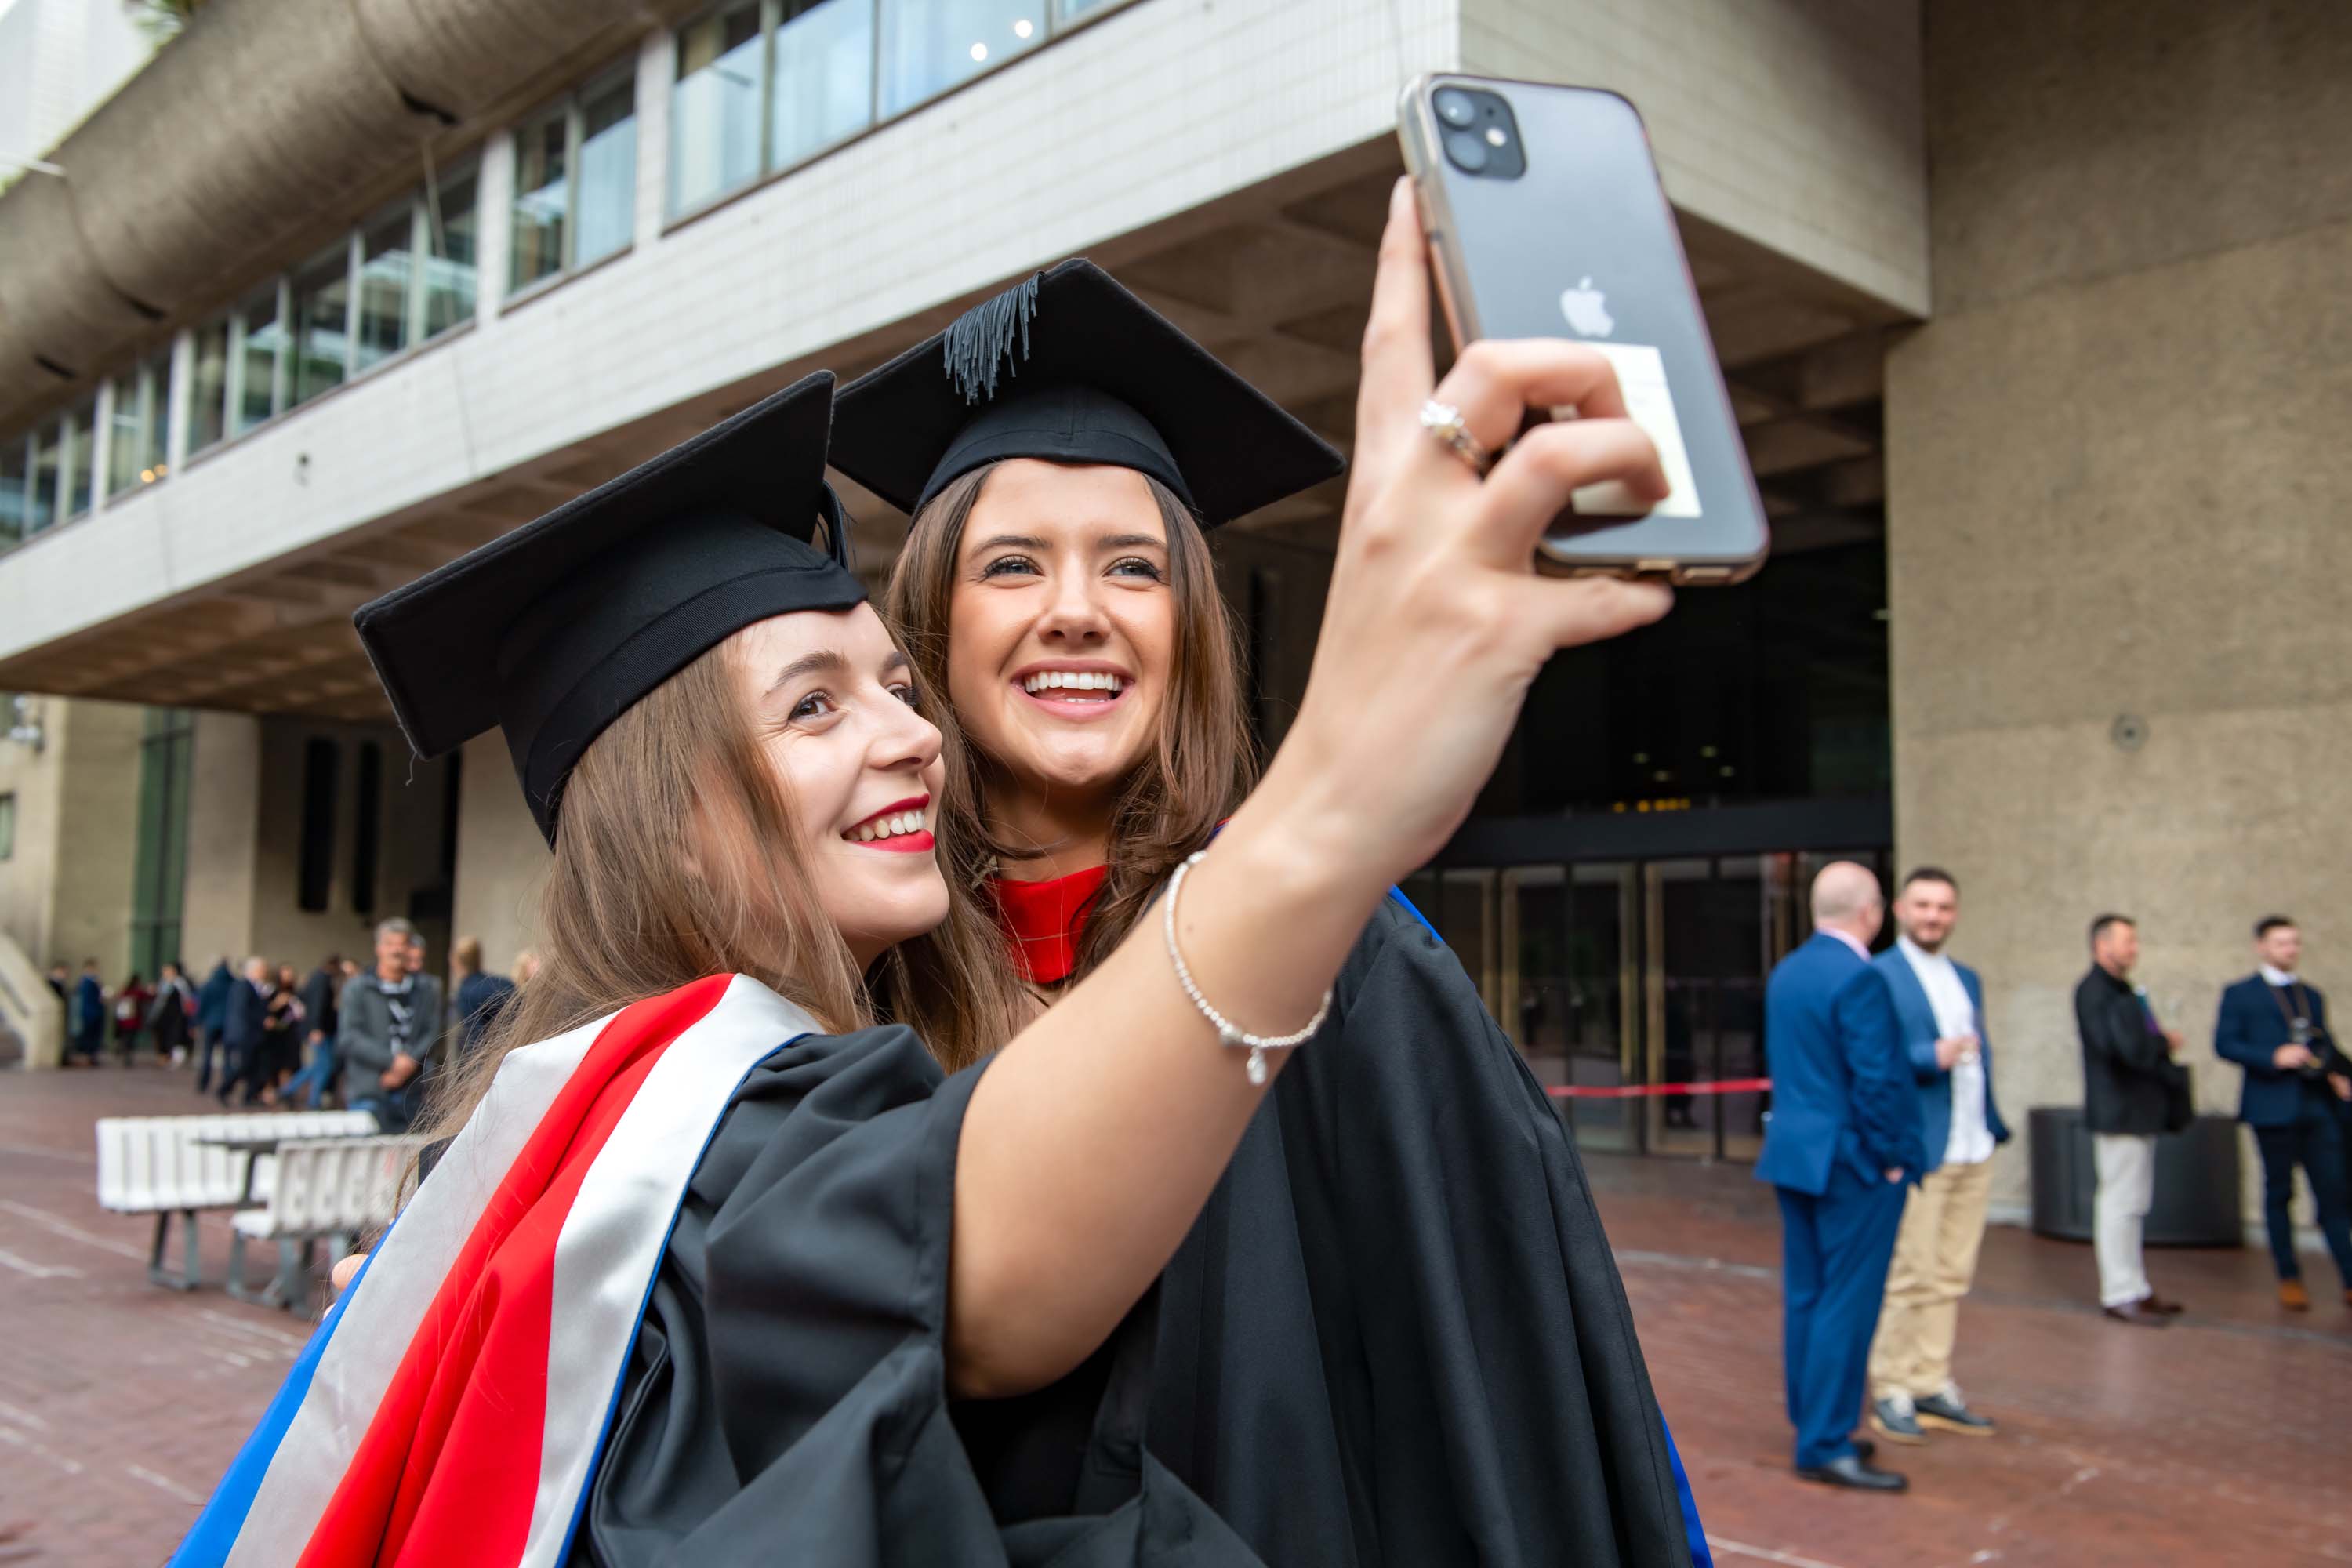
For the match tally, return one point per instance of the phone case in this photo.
(1580, 242)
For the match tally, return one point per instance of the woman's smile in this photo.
(1080, 691)
(899, 827)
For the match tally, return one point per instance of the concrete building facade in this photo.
(1964, 266)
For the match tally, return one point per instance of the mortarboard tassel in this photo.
(978, 344)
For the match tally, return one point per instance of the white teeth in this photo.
(888, 827)
(1072, 680)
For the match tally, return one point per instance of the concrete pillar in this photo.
(223, 839)
(2118, 480)
(501, 860)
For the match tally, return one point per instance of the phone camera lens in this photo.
(1466, 150)
(1456, 108)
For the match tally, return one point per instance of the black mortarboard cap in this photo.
(1068, 365)
(550, 632)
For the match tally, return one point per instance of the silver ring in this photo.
(1443, 421)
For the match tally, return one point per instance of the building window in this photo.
(576, 180)
(159, 868)
(321, 321)
(315, 865)
(453, 230)
(208, 385)
(78, 444)
(134, 450)
(16, 490)
(930, 46)
(366, 828)
(7, 825)
(387, 282)
(256, 379)
(43, 511)
(825, 77)
(714, 115)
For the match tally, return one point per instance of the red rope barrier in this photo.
(1641, 1091)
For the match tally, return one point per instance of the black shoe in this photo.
(1948, 1412)
(1850, 1471)
(1895, 1420)
(2137, 1312)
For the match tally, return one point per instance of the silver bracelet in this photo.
(1227, 1034)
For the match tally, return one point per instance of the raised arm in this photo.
(1095, 1135)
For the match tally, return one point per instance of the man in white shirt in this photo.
(1940, 1006)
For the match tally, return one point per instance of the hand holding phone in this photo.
(1545, 218)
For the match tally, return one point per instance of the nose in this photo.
(1074, 615)
(905, 742)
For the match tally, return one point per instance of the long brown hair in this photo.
(1203, 761)
(676, 857)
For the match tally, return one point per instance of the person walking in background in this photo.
(243, 1043)
(283, 1030)
(212, 1020)
(2276, 1027)
(317, 996)
(2130, 1085)
(387, 1027)
(1939, 1006)
(479, 999)
(1841, 1144)
(173, 1014)
(131, 1003)
(88, 1020)
(61, 981)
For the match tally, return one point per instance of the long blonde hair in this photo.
(676, 857)
(1203, 761)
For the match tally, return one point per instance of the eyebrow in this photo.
(830, 661)
(1031, 542)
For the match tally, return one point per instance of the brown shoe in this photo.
(2156, 1304)
(2137, 1312)
(2294, 1296)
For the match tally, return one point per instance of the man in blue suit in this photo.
(241, 1033)
(1841, 1145)
(2276, 1027)
(1939, 1006)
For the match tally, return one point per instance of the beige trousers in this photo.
(1935, 1258)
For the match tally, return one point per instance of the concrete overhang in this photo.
(211, 163)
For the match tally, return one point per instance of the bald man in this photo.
(1841, 1146)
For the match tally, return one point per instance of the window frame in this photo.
(7, 825)
(572, 105)
(1055, 24)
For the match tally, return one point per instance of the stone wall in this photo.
(2118, 478)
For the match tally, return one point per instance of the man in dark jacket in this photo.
(211, 1017)
(89, 1009)
(388, 1026)
(481, 996)
(244, 1032)
(1842, 1146)
(2129, 1082)
(2276, 1027)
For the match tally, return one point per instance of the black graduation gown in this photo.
(785, 1400)
(1396, 1335)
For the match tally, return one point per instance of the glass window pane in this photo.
(714, 115)
(385, 266)
(929, 46)
(128, 445)
(825, 75)
(45, 477)
(542, 186)
(1071, 10)
(208, 385)
(322, 349)
(81, 459)
(256, 394)
(449, 272)
(16, 490)
(608, 173)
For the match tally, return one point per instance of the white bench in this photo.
(328, 1189)
(164, 1165)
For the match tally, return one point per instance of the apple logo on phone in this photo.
(1587, 309)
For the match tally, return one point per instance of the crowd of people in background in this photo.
(260, 1034)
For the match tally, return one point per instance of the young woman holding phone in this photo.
(1403, 1278)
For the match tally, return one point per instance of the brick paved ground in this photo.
(2220, 1440)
